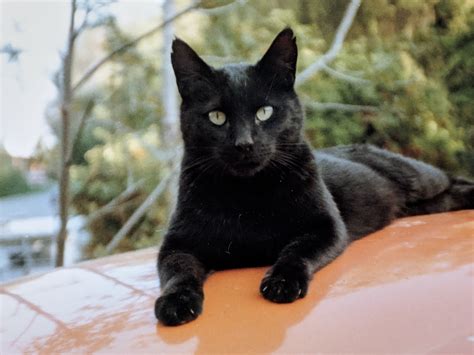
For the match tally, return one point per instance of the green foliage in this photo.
(12, 180)
(121, 162)
(122, 140)
(410, 61)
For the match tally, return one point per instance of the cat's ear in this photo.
(280, 59)
(192, 73)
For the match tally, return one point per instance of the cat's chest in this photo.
(241, 237)
(237, 222)
(253, 206)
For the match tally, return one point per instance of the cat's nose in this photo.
(244, 142)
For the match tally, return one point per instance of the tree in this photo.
(64, 84)
(12, 180)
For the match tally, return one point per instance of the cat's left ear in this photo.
(280, 59)
(193, 75)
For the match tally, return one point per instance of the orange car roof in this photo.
(407, 288)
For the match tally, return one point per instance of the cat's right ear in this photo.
(279, 62)
(191, 72)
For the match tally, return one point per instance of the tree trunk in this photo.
(66, 98)
(63, 188)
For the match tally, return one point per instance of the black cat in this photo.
(252, 192)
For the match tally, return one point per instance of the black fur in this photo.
(254, 193)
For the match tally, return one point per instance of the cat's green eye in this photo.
(264, 113)
(217, 117)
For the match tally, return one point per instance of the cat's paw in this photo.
(284, 285)
(178, 307)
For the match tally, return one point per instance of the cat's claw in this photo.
(283, 289)
(178, 307)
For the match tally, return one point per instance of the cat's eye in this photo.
(264, 113)
(217, 117)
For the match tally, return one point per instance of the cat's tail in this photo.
(458, 196)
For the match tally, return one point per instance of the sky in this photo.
(39, 29)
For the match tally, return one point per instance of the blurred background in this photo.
(89, 135)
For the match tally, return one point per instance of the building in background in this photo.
(28, 227)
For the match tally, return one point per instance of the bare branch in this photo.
(169, 98)
(90, 8)
(89, 73)
(324, 106)
(344, 76)
(159, 154)
(83, 25)
(140, 211)
(336, 45)
(12, 52)
(357, 80)
(65, 109)
(122, 197)
(224, 8)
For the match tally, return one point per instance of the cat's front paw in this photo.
(179, 307)
(284, 285)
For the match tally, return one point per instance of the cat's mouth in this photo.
(245, 168)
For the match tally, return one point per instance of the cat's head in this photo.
(239, 116)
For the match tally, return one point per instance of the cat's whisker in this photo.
(206, 168)
(289, 144)
(288, 161)
(196, 163)
(195, 147)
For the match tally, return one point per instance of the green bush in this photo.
(12, 180)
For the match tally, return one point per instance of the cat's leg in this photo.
(288, 279)
(426, 188)
(181, 276)
(460, 195)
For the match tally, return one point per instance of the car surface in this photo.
(406, 288)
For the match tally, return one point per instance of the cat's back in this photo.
(337, 168)
(414, 179)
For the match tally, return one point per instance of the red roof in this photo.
(407, 288)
